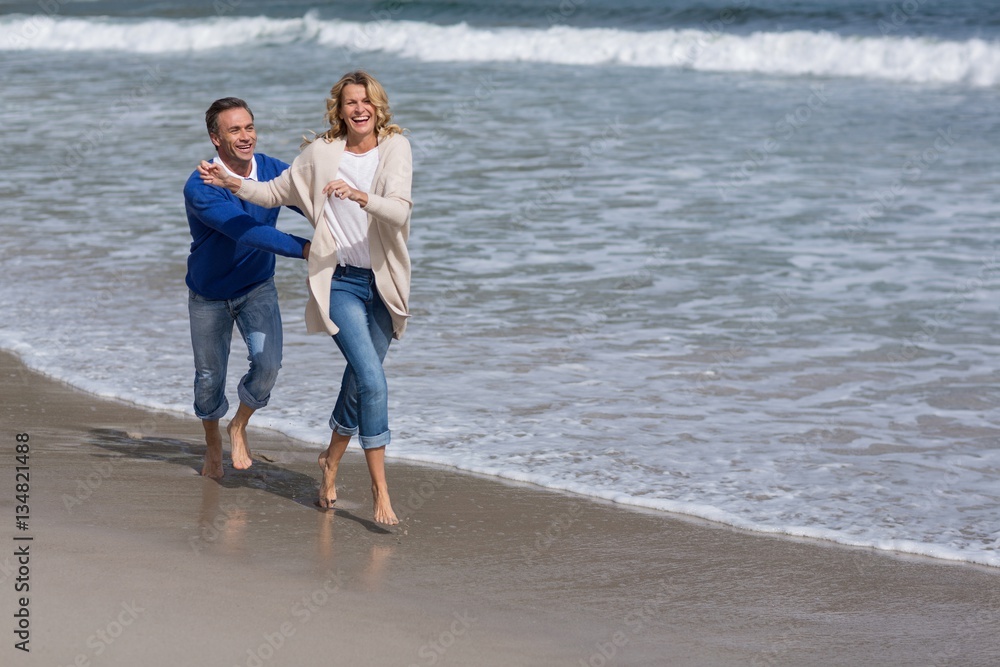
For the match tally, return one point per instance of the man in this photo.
(231, 281)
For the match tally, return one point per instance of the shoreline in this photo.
(135, 551)
(295, 448)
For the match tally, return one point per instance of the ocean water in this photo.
(734, 260)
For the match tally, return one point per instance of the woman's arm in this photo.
(269, 194)
(393, 206)
(213, 174)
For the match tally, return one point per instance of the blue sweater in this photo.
(233, 242)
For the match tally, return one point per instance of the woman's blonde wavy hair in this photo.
(376, 95)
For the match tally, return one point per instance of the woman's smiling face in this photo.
(357, 111)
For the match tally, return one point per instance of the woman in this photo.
(353, 184)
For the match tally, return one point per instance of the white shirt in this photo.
(346, 219)
(253, 168)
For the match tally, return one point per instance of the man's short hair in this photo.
(218, 106)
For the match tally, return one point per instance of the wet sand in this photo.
(138, 560)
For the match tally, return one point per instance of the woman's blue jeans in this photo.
(365, 333)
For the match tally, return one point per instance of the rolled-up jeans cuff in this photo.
(375, 441)
(248, 400)
(214, 415)
(340, 429)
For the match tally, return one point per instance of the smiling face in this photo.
(358, 114)
(235, 140)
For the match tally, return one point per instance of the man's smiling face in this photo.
(236, 139)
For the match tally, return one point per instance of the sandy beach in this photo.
(134, 559)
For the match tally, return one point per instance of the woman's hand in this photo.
(213, 174)
(341, 190)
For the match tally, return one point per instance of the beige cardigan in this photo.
(389, 206)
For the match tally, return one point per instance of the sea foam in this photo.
(973, 62)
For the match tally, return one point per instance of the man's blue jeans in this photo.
(365, 333)
(259, 320)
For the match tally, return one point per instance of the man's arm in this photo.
(212, 207)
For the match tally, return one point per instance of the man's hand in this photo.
(305, 250)
(213, 174)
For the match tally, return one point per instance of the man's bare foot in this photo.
(237, 430)
(213, 450)
(213, 462)
(238, 446)
(328, 487)
(383, 508)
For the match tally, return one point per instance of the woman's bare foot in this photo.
(382, 506)
(328, 487)
(213, 450)
(329, 463)
(380, 489)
